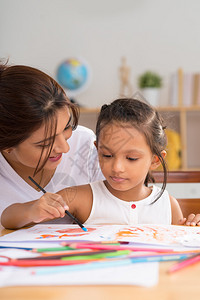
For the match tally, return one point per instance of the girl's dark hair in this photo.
(30, 98)
(145, 119)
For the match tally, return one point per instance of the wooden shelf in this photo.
(185, 117)
(160, 108)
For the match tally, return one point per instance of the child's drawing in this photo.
(149, 234)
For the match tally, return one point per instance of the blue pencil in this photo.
(66, 211)
(108, 264)
(87, 266)
(13, 247)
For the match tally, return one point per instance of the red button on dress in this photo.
(133, 206)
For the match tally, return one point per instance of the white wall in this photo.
(158, 35)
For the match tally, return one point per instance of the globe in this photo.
(73, 75)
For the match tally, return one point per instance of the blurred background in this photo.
(156, 35)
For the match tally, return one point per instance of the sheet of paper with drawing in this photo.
(164, 235)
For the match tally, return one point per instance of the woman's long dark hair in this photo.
(29, 98)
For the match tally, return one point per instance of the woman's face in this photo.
(28, 152)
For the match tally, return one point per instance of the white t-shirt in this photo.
(108, 209)
(78, 166)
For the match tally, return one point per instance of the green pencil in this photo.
(97, 256)
(53, 249)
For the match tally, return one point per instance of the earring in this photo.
(8, 151)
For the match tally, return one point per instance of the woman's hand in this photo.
(49, 206)
(191, 220)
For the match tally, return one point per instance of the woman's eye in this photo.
(69, 124)
(67, 127)
(44, 145)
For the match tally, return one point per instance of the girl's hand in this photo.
(49, 206)
(191, 220)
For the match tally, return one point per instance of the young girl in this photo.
(131, 143)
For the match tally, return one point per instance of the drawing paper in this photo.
(148, 234)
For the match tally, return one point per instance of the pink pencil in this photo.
(116, 247)
(185, 263)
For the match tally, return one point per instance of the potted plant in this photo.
(150, 84)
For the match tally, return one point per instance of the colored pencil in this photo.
(115, 254)
(77, 252)
(13, 247)
(83, 267)
(185, 263)
(116, 247)
(104, 264)
(66, 211)
(53, 249)
(75, 255)
(45, 263)
(61, 262)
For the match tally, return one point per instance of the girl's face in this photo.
(125, 157)
(28, 152)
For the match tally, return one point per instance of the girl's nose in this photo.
(117, 166)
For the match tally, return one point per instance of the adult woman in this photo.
(36, 122)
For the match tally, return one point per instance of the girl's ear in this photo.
(156, 162)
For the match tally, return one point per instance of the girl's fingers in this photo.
(182, 221)
(189, 219)
(193, 220)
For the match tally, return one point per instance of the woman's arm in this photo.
(48, 207)
(77, 200)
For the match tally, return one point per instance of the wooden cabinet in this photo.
(184, 120)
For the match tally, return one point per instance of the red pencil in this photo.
(45, 263)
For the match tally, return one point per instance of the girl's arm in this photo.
(79, 200)
(176, 211)
(177, 216)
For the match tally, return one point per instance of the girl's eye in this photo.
(106, 155)
(132, 159)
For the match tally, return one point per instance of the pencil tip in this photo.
(85, 229)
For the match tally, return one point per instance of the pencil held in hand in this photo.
(66, 211)
(76, 220)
